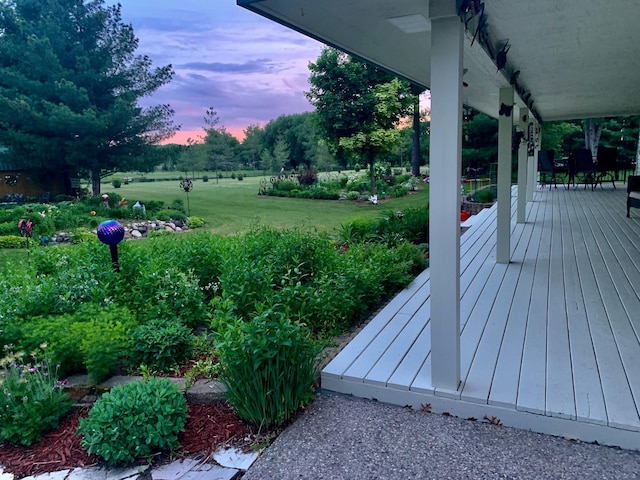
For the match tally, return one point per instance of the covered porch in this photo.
(531, 312)
(548, 342)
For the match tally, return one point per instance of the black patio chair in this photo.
(633, 193)
(607, 165)
(546, 168)
(581, 168)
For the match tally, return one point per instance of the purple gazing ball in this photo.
(110, 232)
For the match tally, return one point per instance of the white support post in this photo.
(444, 195)
(523, 166)
(533, 164)
(505, 130)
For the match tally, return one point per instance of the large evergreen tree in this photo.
(70, 82)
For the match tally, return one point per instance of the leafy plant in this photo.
(207, 368)
(268, 366)
(195, 222)
(162, 343)
(13, 241)
(117, 183)
(134, 420)
(93, 339)
(32, 400)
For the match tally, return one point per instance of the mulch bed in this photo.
(208, 427)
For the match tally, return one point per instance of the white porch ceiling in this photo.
(577, 58)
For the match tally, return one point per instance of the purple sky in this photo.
(249, 69)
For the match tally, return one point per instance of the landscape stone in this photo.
(59, 475)
(234, 458)
(136, 234)
(174, 470)
(5, 476)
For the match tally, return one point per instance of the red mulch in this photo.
(208, 427)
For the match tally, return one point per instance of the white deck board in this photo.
(589, 400)
(560, 400)
(549, 342)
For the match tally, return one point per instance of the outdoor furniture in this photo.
(606, 166)
(633, 193)
(12, 199)
(546, 168)
(582, 168)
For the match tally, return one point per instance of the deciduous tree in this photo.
(358, 106)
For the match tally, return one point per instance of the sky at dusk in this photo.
(249, 69)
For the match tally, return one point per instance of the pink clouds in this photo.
(250, 70)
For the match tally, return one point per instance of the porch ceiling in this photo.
(576, 58)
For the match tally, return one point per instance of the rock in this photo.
(136, 234)
(178, 229)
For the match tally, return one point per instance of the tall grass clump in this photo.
(268, 366)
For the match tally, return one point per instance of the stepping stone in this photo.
(234, 458)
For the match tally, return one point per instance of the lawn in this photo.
(229, 205)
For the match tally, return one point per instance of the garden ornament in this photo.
(110, 232)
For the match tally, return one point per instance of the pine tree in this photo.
(70, 82)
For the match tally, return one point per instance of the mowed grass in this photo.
(230, 205)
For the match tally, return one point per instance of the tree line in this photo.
(71, 82)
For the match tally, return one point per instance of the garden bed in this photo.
(209, 426)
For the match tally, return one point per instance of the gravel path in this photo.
(343, 437)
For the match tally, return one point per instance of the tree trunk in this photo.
(95, 182)
(372, 173)
(415, 144)
(592, 131)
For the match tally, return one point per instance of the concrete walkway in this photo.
(344, 437)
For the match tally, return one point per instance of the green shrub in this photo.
(32, 400)
(92, 339)
(13, 241)
(205, 178)
(353, 195)
(159, 233)
(153, 206)
(356, 167)
(9, 228)
(161, 290)
(267, 366)
(286, 185)
(178, 204)
(134, 420)
(195, 222)
(486, 195)
(83, 237)
(117, 183)
(162, 343)
(233, 175)
(167, 215)
(358, 229)
(240, 177)
(398, 191)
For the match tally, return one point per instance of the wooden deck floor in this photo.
(549, 342)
